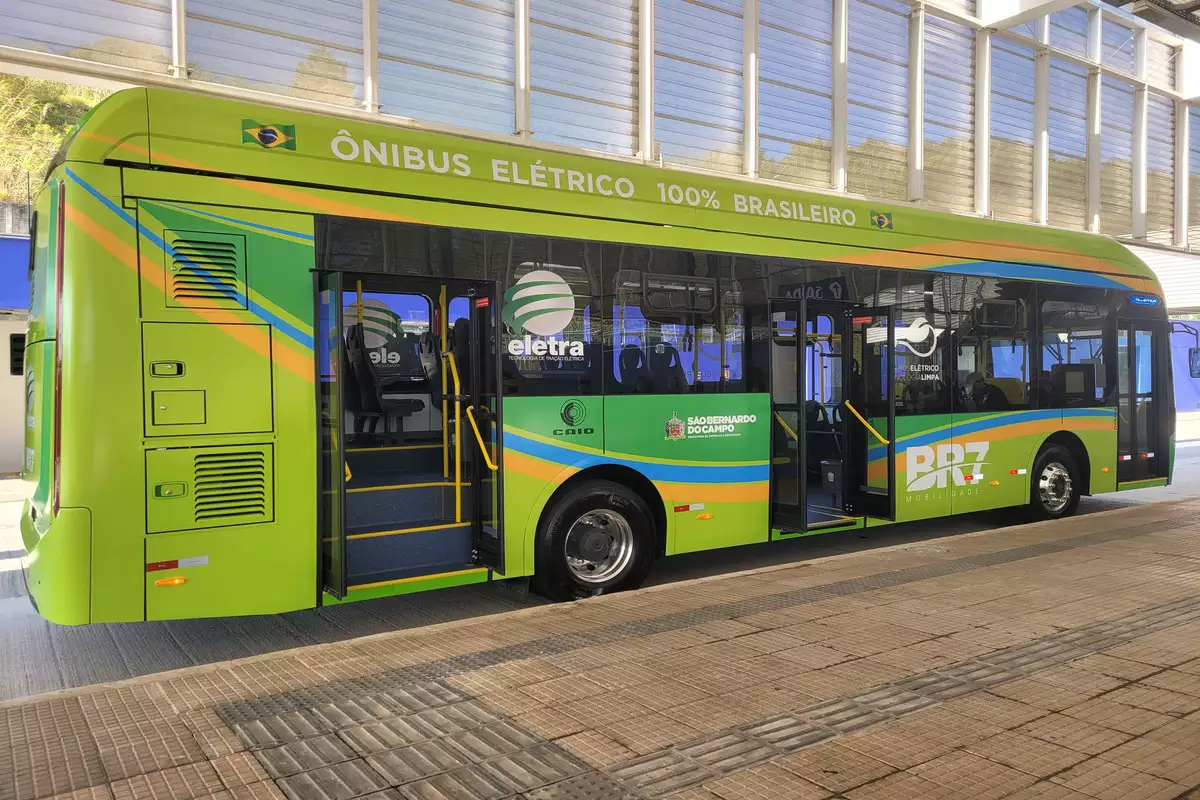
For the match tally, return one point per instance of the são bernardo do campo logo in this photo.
(712, 426)
(541, 304)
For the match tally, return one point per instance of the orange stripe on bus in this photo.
(150, 272)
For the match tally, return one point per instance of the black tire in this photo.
(1057, 468)
(604, 502)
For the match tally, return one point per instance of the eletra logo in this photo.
(540, 303)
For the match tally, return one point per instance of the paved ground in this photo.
(38, 657)
(1058, 661)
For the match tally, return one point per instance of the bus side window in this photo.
(1072, 347)
(669, 326)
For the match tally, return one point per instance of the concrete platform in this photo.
(1048, 661)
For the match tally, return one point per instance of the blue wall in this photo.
(14, 272)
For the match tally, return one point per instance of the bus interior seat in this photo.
(370, 387)
(666, 369)
(635, 374)
(1013, 388)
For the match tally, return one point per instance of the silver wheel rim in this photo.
(1055, 487)
(599, 546)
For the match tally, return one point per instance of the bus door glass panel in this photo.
(823, 391)
(392, 326)
(1137, 413)
(787, 421)
(481, 427)
(332, 368)
(871, 414)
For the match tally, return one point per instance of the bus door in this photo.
(809, 454)
(1142, 438)
(408, 395)
(871, 414)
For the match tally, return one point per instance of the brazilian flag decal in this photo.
(269, 136)
(881, 220)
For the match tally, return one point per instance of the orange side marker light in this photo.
(174, 580)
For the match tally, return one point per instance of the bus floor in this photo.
(36, 656)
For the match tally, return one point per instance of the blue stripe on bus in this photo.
(668, 473)
(1038, 272)
(286, 327)
(269, 229)
(999, 420)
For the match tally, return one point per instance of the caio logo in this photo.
(945, 465)
(573, 413)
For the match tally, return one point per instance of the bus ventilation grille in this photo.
(230, 487)
(205, 271)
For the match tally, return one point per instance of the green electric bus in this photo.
(278, 360)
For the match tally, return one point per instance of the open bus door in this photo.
(332, 469)
(872, 414)
(833, 422)
(482, 414)
(408, 401)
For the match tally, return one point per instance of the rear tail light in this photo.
(58, 346)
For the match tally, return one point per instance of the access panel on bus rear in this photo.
(228, 410)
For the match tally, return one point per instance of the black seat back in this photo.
(363, 370)
(635, 374)
(666, 367)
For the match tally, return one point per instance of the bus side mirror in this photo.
(1194, 361)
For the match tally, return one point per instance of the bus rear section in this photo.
(57, 567)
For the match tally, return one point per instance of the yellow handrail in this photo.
(479, 438)
(854, 411)
(454, 373)
(786, 427)
(445, 432)
(457, 438)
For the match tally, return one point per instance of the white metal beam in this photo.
(841, 80)
(1141, 100)
(1002, 14)
(916, 103)
(178, 67)
(521, 122)
(750, 87)
(1182, 151)
(1041, 126)
(983, 121)
(645, 102)
(1094, 110)
(370, 14)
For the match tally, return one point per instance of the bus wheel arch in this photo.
(619, 504)
(1059, 478)
(1073, 445)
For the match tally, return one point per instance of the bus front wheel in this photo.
(596, 538)
(1055, 484)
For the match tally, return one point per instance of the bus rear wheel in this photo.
(596, 538)
(1055, 484)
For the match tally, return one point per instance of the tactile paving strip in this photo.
(682, 766)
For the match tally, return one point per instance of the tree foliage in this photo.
(35, 117)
